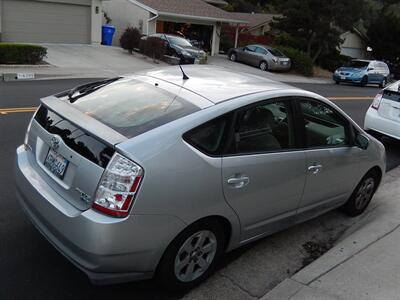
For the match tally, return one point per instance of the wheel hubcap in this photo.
(364, 193)
(233, 57)
(263, 66)
(195, 256)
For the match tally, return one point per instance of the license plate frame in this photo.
(342, 77)
(56, 163)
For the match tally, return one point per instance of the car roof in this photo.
(216, 84)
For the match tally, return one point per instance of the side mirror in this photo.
(370, 69)
(361, 141)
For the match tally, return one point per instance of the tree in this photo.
(316, 25)
(384, 37)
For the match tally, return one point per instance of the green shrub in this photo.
(154, 47)
(332, 61)
(130, 39)
(11, 53)
(301, 62)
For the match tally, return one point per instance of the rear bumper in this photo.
(108, 250)
(373, 121)
(279, 67)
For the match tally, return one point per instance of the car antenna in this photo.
(185, 77)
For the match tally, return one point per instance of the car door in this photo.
(248, 54)
(259, 55)
(263, 173)
(332, 161)
(373, 73)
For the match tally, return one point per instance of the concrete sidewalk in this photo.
(364, 264)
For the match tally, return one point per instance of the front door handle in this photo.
(315, 169)
(238, 182)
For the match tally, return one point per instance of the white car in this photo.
(383, 116)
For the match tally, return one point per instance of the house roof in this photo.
(254, 20)
(190, 9)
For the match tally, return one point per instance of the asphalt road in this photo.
(31, 269)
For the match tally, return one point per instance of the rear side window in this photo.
(210, 137)
(131, 107)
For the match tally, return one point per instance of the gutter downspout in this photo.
(149, 20)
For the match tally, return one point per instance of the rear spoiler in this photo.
(83, 121)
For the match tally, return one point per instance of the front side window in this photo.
(264, 128)
(250, 48)
(324, 127)
(261, 50)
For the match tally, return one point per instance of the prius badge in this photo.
(55, 143)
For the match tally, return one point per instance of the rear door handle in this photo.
(315, 169)
(238, 182)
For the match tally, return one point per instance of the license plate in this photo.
(56, 163)
(284, 63)
(343, 77)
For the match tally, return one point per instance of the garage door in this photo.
(32, 21)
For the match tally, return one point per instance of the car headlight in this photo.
(185, 53)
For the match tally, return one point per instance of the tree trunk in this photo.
(310, 42)
(317, 54)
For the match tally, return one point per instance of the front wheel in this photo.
(192, 256)
(364, 81)
(233, 57)
(383, 83)
(362, 195)
(263, 66)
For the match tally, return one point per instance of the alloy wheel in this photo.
(233, 57)
(195, 256)
(263, 66)
(364, 193)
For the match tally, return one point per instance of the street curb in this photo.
(367, 231)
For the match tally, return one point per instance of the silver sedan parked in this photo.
(157, 174)
(263, 57)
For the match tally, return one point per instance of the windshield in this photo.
(276, 52)
(358, 64)
(132, 107)
(179, 41)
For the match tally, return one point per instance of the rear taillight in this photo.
(118, 186)
(377, 101)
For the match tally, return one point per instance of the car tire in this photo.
(263, 65)
(362, 194)
(383, 83)
(364, 81)
(233, 56)
(180, 268)
(337, 82)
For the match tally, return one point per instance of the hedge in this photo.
(130, 39)
(301, 62)
(11, 53)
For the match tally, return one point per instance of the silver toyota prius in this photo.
(158, 174)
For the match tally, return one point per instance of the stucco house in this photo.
(195, 19)
(51, 21)
(354, 44)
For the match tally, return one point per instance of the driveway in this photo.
(87, 61)
(223, 61)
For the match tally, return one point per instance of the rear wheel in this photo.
(362, 194)
(233, 56)
(192, 256)
(263, 66)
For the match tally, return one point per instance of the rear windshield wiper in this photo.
(88, 88)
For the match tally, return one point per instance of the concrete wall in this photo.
(124, 14)
(96, 22)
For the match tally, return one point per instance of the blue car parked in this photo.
(363, 72)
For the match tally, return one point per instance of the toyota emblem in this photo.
(55, 142)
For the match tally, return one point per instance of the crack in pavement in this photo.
(239, 286)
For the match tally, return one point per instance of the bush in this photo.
(11, 53)
(154, 47)
(301, 62)
(333, 61)
(130, 39)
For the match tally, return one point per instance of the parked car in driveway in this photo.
(363, 72)
(157, 175)
(383, 116)
(263, 57)
(179, 47)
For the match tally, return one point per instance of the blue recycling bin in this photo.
(107, 34)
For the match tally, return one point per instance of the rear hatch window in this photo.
(390, 104)
(132, 107)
